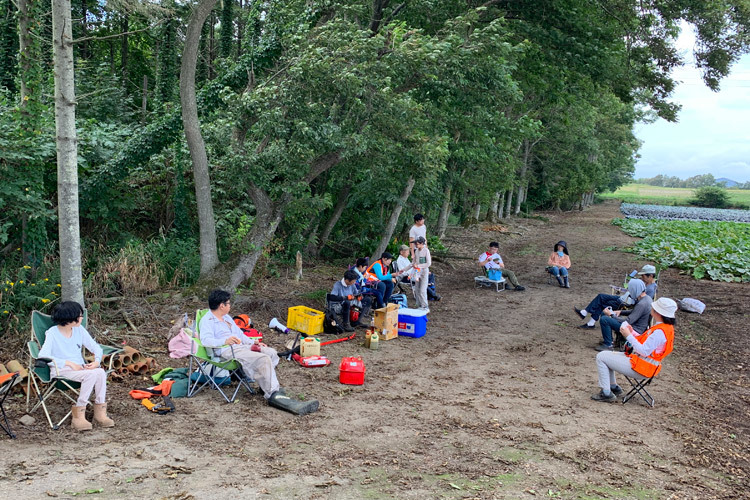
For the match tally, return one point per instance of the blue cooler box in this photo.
(412, 322)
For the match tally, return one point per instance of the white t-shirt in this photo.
(417, 231)
(489, 260)
(402, 263)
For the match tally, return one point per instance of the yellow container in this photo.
(309, 347)
(305, 320)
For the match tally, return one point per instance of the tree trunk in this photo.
(492, 213)
(335, 216)
(206, 223)
(144, 99)
(475, 212)
(508, 202)
(24, 47)
(445, 211)
(522, 175)
(267, 218)
(67, 153)
(125, 27)
(393, 219)
(501, 206)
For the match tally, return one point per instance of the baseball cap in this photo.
(648, 269)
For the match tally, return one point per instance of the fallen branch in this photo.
(127, 320)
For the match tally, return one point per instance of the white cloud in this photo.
(713, 131)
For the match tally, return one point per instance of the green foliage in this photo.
(23, 289)
(648, 194)
(713, 249)
(710, 197)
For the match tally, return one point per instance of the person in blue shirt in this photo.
(379, 271)
(62, 347)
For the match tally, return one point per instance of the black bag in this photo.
(334, 318)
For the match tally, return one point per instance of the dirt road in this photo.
(492, 403)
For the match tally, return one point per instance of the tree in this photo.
(67, 153)
(191, 124)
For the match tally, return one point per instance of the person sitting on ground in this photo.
(62, 345)
(379, 271)
(643, 353)
(219, 332)
(638, 316)
(365, 286)
(559, 263)
(421, 267)
(492, 261)
(616, 302)
(347, 293)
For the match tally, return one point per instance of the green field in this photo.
(643, 193)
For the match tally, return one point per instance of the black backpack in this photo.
(333, 321)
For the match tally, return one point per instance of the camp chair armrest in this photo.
(42, 362)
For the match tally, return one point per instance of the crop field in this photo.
(643, 193)
(716, 250)
(666, 212)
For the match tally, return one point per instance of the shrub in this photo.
(711, 197)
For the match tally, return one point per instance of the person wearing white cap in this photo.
(616, 302)
(643, 353)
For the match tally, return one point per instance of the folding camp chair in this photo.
(485, 281)
(212, 371)
(7, 381)
(638, 386)
(41, 380)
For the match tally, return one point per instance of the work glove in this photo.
(350, 297)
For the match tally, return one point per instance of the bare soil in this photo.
(492, 403)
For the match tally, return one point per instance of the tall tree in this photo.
(67, 153)
(191, 123)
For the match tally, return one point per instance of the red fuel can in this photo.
(352, 371)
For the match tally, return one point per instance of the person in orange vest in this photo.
(379, 272)
(643, 355)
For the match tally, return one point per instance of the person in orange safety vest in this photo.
(379, 273)
(642, 359)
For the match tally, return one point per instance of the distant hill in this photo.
(728, 182)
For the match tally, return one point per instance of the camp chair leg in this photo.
(9, 381)
(43, 397)
(639, 387)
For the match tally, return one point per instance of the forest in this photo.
(199, 140)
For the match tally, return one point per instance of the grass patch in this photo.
(315, 295)
(655, 195)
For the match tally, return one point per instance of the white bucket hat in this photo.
(666, 307)
(648, 269)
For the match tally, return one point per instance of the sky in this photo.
(713, 131)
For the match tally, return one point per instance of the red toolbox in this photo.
(352, 371)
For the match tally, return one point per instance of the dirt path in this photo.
(492, 403)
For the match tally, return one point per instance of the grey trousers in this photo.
(260, 366)
(608, 363)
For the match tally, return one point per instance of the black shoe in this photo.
(587, 327)
(578, 312)
(603, 347)
(520, 288)
(347, 328)
(616, 390)
(437, 298)
(604, 398)
(567, 283)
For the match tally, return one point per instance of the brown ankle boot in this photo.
(100, 415)
(78, 421)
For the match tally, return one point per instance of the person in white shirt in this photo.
(258, 361)
(402, 262)
(421, 267)
(417, 230)
(492, 261)
(62, 347)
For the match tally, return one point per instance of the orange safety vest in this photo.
(651, 365)
(371, 276)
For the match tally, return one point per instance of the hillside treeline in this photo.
(326, 124)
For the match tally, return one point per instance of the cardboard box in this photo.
(386, 321)
(309, 347)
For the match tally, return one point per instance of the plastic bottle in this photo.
(374, 340)
(368, 335)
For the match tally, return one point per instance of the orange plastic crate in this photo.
(305, 320)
